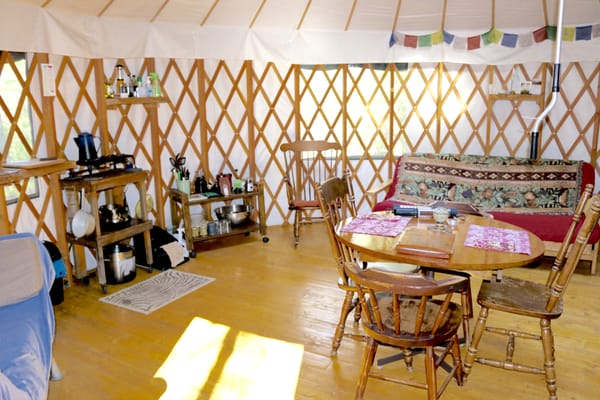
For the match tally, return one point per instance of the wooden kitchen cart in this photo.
(180, 209)
(112, 183)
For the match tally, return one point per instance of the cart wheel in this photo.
(192, 254)
(265, 239)
(104, 289)
(85, 281)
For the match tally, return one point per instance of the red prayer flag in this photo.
(473, 42)
(411, 41)
(539, 35)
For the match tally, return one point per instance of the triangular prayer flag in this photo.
(596, 31)
(392, 39)
(411, 41)
(583, 32)
(473, 42)
(541, 34)
(568, 34)
(510, 40)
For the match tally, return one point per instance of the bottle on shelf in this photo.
(133, 88)
(515, 82)
(140, 87)
(155, 85)
(121, 87)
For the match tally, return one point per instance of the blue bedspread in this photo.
(26, 336)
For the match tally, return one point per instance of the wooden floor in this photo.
(263, 329)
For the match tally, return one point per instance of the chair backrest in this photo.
(561, 254)
(336, 200)
(308, 162)
(401, 305)
(559, 283)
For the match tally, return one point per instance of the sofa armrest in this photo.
(373, 193)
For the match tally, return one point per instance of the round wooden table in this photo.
(463, 258)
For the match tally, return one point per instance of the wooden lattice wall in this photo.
(232, 117)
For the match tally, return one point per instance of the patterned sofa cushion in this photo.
(490, 182)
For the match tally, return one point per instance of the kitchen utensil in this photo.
(83, 224)
(238, 214)
(87, 149)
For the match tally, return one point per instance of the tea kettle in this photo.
(87, 149)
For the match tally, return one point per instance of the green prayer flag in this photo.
(425, 41)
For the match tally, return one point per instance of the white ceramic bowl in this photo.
(83, 224)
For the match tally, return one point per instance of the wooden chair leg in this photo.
(367, 364)
(347, 306)
(458, 374)
(477, 333)
(548, 345)
(297, 215)
(430, 375)
(357, 312)
(467, 304)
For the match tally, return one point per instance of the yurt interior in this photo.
(130, 130)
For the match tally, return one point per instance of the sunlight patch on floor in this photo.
(213, 361)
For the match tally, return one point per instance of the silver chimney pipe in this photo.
(533, 151)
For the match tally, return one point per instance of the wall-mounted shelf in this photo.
(117, 101)
(517, 97)
(513, 118)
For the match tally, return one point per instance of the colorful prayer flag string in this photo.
(495, 36)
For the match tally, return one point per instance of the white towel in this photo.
(175, 252)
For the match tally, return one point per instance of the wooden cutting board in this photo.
(420, 240)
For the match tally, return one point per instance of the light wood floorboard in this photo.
(275, 291)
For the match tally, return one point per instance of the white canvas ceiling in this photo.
(295, 31)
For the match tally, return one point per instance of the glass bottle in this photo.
(121, 89)
(133, 89)
(156, 92)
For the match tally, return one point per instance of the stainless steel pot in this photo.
(119, 261)
(113, 216)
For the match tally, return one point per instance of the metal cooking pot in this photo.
(119, 262)
(113, 216)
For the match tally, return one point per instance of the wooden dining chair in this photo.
(308, 162)
(541, 301)
(337, 202)
(409, 312)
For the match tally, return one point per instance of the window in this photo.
(365, 90)
(16, 133)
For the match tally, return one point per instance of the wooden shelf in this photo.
(180, 210)
(517, 97)
(9, 176)
(92, 186)
(36, 167)
(117, 101)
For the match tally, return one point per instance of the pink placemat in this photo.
(377, 224)
(501, 239)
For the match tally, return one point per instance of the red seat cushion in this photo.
(551, 228)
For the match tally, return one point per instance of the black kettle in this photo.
(87, 149)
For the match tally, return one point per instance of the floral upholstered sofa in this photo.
(538, 195)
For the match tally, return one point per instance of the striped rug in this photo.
(158, 291)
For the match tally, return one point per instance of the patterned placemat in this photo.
(501, 239)
(158, 291)
(377, 224)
